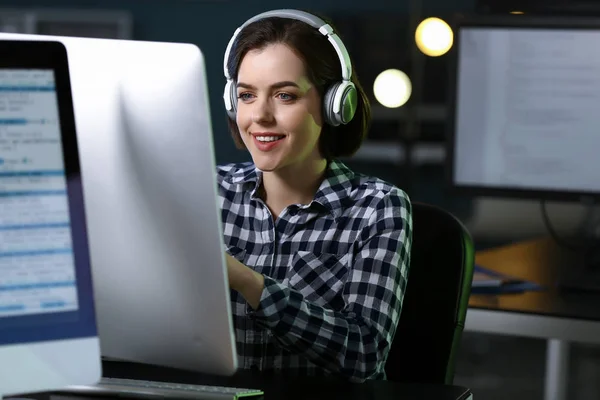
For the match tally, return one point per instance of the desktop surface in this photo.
(276, 387)
(541, 261)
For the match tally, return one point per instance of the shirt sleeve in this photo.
(353, 342)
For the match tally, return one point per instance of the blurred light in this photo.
(392, 88)
(434, 37)
(517, 12)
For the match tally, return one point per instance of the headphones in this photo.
(340, 99)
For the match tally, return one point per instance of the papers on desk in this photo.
(487, 281)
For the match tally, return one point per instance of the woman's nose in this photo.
(262, 111)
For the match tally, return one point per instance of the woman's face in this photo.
(278, 109)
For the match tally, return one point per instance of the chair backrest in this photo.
(437, 295)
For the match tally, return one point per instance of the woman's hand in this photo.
(246, 281)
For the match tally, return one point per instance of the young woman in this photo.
(318, 255)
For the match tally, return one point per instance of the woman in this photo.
(318, 255)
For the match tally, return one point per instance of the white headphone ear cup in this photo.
(349, 102)
(328, 106)
(230, 99)
(342, 97)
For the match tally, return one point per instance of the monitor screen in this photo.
(38, 277)
(527, 109)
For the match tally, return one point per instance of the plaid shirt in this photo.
(335, 273)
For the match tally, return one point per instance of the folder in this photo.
(487, 281)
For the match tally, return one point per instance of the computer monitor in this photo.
(524, 108)
(524, 118)
(149, 172)
(48, 333)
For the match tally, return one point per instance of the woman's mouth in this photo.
(267, 141)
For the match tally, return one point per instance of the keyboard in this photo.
(164, 390)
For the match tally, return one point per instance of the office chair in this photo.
(435, 304)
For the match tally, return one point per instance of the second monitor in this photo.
(149, 176)
(525, 116)
(525, 107)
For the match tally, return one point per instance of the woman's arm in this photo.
(243, 279)
(352, 342)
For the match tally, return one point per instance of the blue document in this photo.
(487, 281)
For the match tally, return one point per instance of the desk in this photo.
(559, 317)
(281, 388)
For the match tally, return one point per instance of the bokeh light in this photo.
(434, 37)
(392, 88)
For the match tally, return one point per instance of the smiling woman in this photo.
(318, 256)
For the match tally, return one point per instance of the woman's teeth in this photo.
(268, 138)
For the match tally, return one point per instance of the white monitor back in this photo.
(149, 169)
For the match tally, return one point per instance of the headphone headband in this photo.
(339, 100)
(312, 20)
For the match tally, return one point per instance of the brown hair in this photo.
(323, 69)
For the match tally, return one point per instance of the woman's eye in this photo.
(244, 96)
(286, 96)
